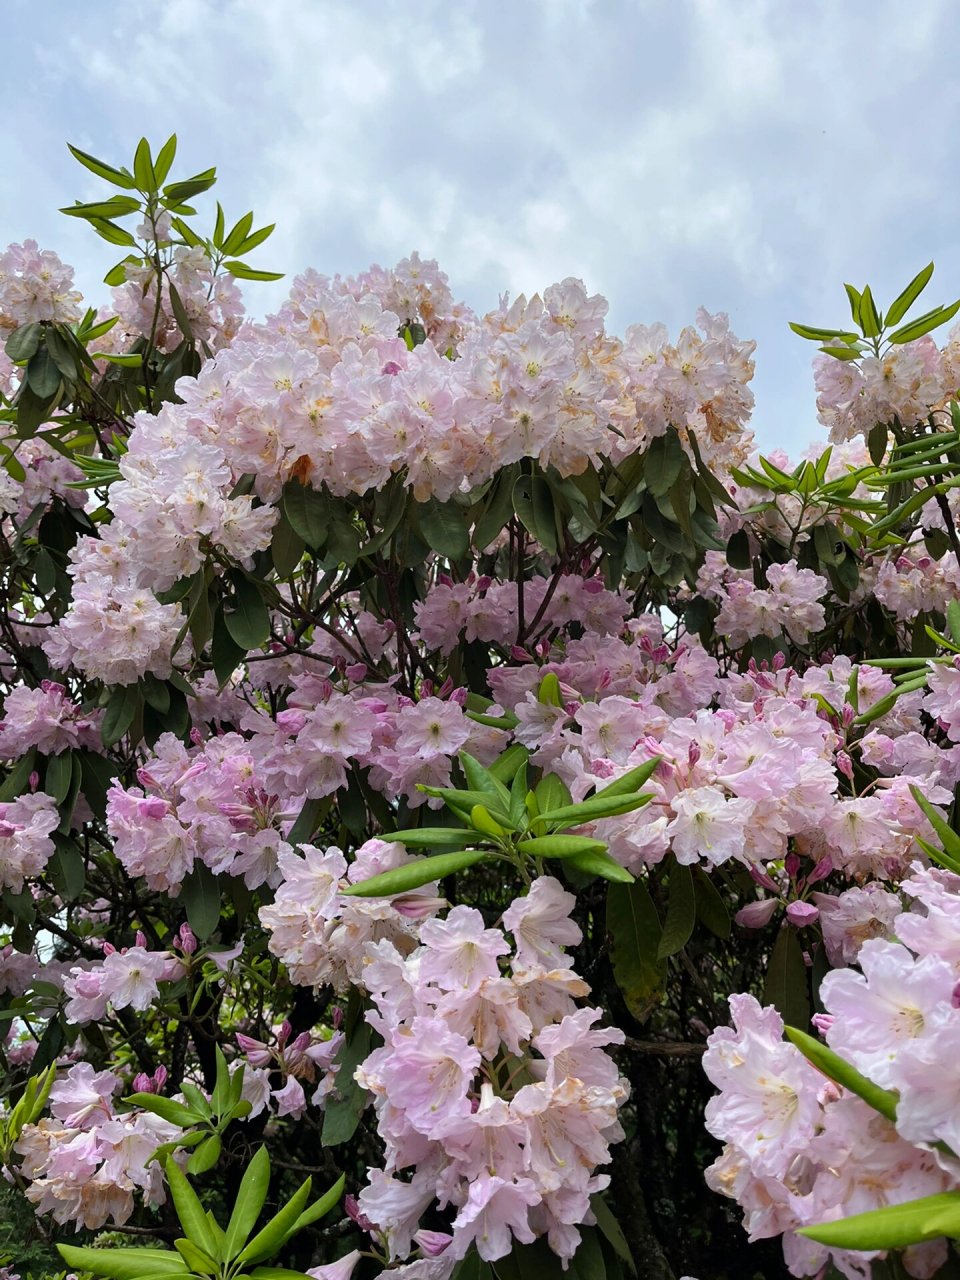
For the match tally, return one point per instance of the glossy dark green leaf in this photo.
(738, 550)
(286, 547)
(533, 503)
(43, 376)
(166, 1108)
(236, 236)
(143, 167)
(444, 526)
(23, 342)
(634, 930)
(200, 895)
(249, 622)
(66, 868)
(877, 442)
(786, 982)
(681, 912)
(308, 513)
(662, 462)
(711, 908)
(120, 712)
(497, 508)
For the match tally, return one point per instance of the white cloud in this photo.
(748, 156)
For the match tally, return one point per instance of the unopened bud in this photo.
(800, 914)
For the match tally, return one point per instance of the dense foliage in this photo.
(416, 726)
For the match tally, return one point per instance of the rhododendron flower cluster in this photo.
(466, 1018)
(85, 1161)
(799, 1150)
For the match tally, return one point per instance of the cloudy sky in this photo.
(744, 155)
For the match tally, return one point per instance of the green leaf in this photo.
(841, 1072)
(200, 895)
(917, 329)
(822, 335)
(131, 361)
(738, 550)
(113, 234)
(115, 207)
(23, 342)
(663, 462)
(877, 442)
(190, 1211)
(593, 863)
(237, 235)
(319, 1209)
(43, 376)
(498, 508)
(711, 908)
(180, 312)
(143, 168)
(286, 547)
(308, 513)
(631, 781)
(249, 623)
(180, 191)
(786, 983)
(611, 1231)
(243, 272)
(119, 177)
(122, 1264)
(431, 837)
(18, 779)
(854, 298)
(896, 1226)
(205, 1156)
(257, 238)
(869, 316)
(166, 1108)
(250, 1200)
(904, 301)
(197, 1259)
(444, 526)
(414, 874)
(481, 779)
(634, 930)
(57, 776)
(161, 166)
(948, 837)
(344, 1106)
(533, 503)
(681, 912)
(560, 846)
(593, 808)
(66, 867)
(266, 1242)
(120, 713)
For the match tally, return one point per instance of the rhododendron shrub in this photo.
(418, 724)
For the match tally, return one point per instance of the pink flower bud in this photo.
(779, 661)
(188, 940)
(955, 996)
(301, 1043)
(196, 737)
(823, 1022)
(285, 1032)
(820, 871)
(337, 1018)
(756, 914)
(432, 1243)
(108, 948)
(160, 1077)
(142, 1083)
(34, 780)
(519, 655)
(460, 696)
(800, 914)
(791, 864)
(693, 754)
(351, 1207)
(845, 764)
